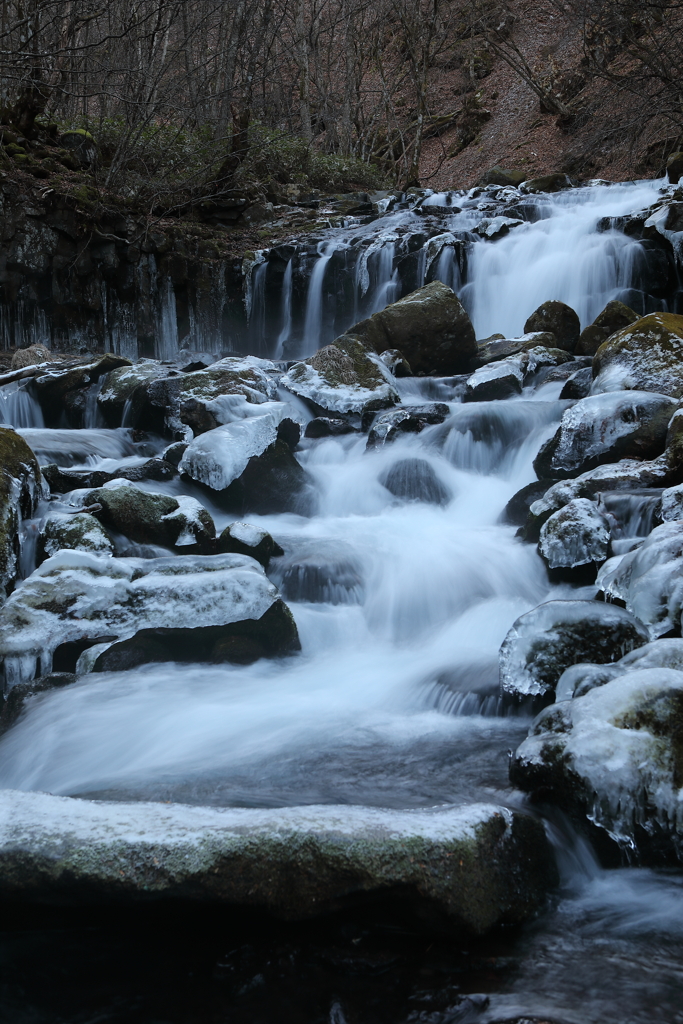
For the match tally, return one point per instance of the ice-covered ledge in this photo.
(479, 865)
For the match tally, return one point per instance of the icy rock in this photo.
(118, 387)
(497, 380)
(415, 480)
(544, 642)
(474, 866)
(52, 388)
(605, 428)
(77, 596)
(579, 384)
(672, 503)
(614, 317)
(62, 481)
(148, 518)
(490, 350)
(576, 535)
(342, 378)
(496, 227)
(246, 539)
(650, 579)
(429, 327)
(516, 511)
(578, 680)
(20, 488)
(544, 357)
(613, 758)
(412, 419)
(396, 362)
(560, 320)
(647, 356)
(79, 532)
(204, 399)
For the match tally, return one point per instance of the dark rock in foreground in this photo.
(472, 867)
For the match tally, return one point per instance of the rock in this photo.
(20, 489)
(328, 426)
(118, 387)
(516, 511)
(496, 227)
(429, 327)
(294, 862)
(606, 428)
(342, 378)
(274, 635)
(579, 680)
(206, 398)
(613, 318)
(649, 580)
(76, 597)
(81, 144)
(411, 419)
(31, 356)
(548, 183)
(674, 168)
(579, 384)
(174, 453)
(396, 362)
(500, 176)
(576, 536)
(672, 503)
(79, 532)
(497, 381)
(415, 480)
(148, 518)
(61, 481)
(545, 641)
(540, 358)
(560, 320)
(53, 386)
(647, 356)
(493, 349)
(13, 704)
(247, 464)
(245, 539)
(614, 757)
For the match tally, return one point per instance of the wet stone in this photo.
(415, 480)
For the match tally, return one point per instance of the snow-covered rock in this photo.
(672, 503)
(20, 488)
(118, 387)
(342, 378)
(544, 642)
(408, 419)
(646, 356)
(247, 539)
(606, 428)
(78, 596)
(576, 535)
(477, 865)
(497, 380)
(78, 532)
(578, 680)
(650, 579)
(614, 758)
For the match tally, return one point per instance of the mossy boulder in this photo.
(558, 318)
(147, 518)
(79, 532)
(342, 378)
(20, 488)
(429, 327)
(614, 317)
(81, 144)
(502, 176)
(118, 387)
(547, 183)
(246, 539)
(646, 356)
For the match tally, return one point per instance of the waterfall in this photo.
(18, 407)
(286, 328)
(313, 321)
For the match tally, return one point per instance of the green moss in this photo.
(661, 715)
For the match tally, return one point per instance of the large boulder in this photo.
(614, 758)
(649, 580)
(576, 537)
(544, 642)
(343, 378)
(118, 387)
(80, 599)
(247, 464)
(606, 428)
(148, 518)
(497, 380)
(203, 399)
(472, 867)
(78, 532)
(558, 318)
(647, 356)
(20, 488)
(429, 327)
(614, 317)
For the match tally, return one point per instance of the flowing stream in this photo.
(401, 604)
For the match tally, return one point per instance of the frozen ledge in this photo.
(478, 865)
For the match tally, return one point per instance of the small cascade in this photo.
(632, 515)
(286, 328)
(313, 321)
(18, 407)
(92, 416)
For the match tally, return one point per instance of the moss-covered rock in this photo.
(614, 317)
(79, 532)
(501, 176)
(20, 488)
(342, 378)
(547, 183)
(81, 144)
(148, 518)
(647, 356)
(245, 539)
(473, 867)
(118, 387)
(558, 318)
